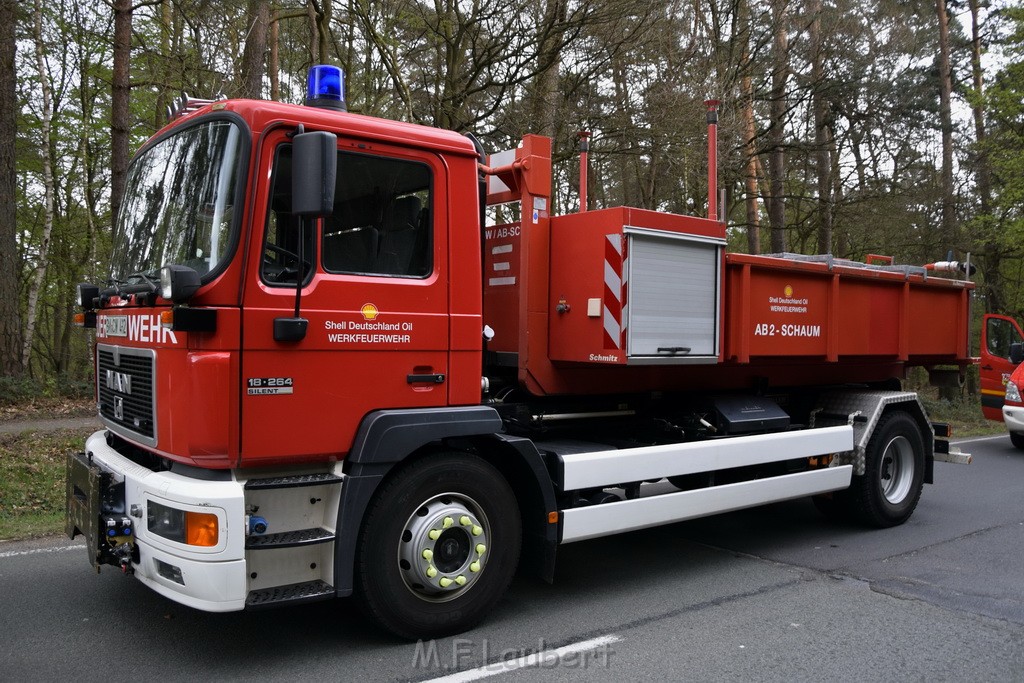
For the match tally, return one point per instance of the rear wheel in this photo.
(438, 547)
(894, 462)
(1017, 440)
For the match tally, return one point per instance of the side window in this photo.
(999, 335)
(281, 243)
(381, 223)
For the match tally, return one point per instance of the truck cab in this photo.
(392, 307)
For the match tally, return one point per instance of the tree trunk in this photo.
(10, 264)
(946, 119)
(163, 94)
(749, 133)
(991, 257)
(948, 233)
(250, 77)
(840, 248)
(273, 61)
(984, 178)
(545, 95)
(48, 201)
(821, 143)
(119, 113)
(777, 129)
(624, 123)
(323, 30)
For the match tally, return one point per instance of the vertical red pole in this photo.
(584, 148)
(712, 106)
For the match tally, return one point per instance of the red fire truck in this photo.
(323, 373)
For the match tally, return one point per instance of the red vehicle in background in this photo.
(1002, 375)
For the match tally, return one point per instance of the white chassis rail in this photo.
(609, 468)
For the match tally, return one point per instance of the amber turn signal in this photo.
(201, 529)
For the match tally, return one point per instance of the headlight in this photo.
(84, 295)
(178, 283)
(1012, 393)
(182, 526)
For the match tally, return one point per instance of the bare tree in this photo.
(250, 77)
(991, 254)
(946, 121)
(45, 119)
(545, 95)
(320, 12)
(821, 130)
(777, 127)
(119, 113)
(10, 265)
(273, 63)
(750, 179)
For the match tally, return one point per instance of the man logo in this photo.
(120, 382)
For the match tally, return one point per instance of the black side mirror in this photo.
(314, 170)
(1016, 353)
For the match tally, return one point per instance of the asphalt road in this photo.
(775, 593)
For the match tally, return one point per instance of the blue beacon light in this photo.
(326, 87)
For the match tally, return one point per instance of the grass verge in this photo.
(964, 414)
(32, 465)
(32, 474)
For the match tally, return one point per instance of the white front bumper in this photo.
(211, 579)
(1013, 417)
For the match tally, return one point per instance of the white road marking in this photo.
(37, 551)
(980, 438)
(546, 657)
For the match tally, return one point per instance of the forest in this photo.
(849, 127)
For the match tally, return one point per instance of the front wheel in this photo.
(1017, 440)
(438, 547)
(894, 463)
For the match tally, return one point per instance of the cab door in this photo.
(374, 293)
(998, 332)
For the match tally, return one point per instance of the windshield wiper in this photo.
(149, 278)
(136, 283)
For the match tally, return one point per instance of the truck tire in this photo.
(1017, 440)
(890, 488)
(438, 547)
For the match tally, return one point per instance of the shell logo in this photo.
(369, 312)
(788, 291)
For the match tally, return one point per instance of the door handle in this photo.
(436, 378)
(986, 367)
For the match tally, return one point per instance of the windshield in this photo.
(178, 202)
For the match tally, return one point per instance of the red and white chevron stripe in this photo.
(614, 292)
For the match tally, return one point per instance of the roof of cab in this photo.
(260, 114)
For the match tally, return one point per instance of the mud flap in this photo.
(84, 485)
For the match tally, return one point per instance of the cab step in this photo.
(288, 539)
(294, 481)
(291, 594)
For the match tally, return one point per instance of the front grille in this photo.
(125, 380)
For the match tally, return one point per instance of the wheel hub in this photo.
(896, 473)
(443, 546)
